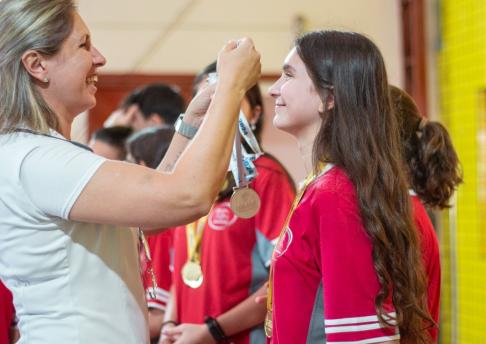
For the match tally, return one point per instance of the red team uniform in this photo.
(235, 252)
(324, 278)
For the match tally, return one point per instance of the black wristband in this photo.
(216, 330)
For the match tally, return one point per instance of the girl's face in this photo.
(297, 102)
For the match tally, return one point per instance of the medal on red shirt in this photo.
(268, 326)
(244, 202)
(192, 274)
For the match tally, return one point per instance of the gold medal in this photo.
(191, 271)
(192, 274)
(268, 324)
(245, 202)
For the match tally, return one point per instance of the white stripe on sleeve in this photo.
(370, 340)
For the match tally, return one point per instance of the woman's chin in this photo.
(86, 106)
(91, 104)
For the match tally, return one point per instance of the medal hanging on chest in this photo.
(268, 326)
(192, 274)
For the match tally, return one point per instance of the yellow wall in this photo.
(463, 78)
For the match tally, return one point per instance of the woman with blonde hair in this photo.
(67, 252)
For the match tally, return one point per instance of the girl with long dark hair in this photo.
(347, 267)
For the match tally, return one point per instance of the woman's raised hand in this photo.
(239, 65)
(198, 106)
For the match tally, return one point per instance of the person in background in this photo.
(110, 142)
(160, 105)
(433, 175)
(76, 210)
(147, 148)
(148, 106)
(234, 253)
(347, 266)
(125, 112)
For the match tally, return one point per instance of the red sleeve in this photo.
(276, 193)
(349, 280)
(431, 259)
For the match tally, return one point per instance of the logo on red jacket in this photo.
(222, 217)
(284, 242)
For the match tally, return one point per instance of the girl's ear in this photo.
(329, 104)
(330, 101)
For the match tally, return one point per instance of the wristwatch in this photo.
(184, 128)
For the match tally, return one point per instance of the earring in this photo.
(46, 79)
(253, 126)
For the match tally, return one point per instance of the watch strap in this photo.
(185, 129)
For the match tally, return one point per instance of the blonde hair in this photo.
(40, 25)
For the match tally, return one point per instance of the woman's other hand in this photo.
(164, 337)
(189, 334)
(199, 105)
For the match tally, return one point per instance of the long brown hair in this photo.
(432, 162)
(360, 135)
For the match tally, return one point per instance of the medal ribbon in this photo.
(241, 164)
(194, 233)
(240, 177)
(143, 244)
(248, 135)
(310, 178)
